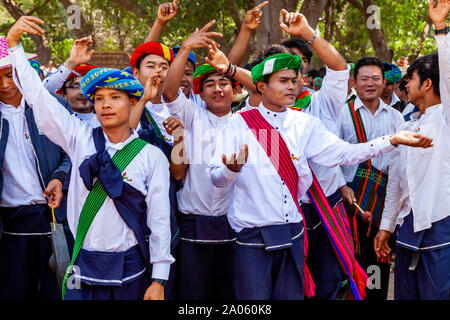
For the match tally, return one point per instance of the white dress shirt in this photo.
(198, 195)
(89, 118)
(148, 172)
(197, 100)
(55, 80)
(21, 179)
(394, 100)
(385, 121)
(258, 196)
(424, 174)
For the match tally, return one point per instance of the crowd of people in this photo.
(178, 181)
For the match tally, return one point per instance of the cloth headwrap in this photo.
(276, 63)
(318, 82)
(5, 59)
(352, 67)
(151, 47)
(392, 75)
(110, 79)
(200, 74)
(191, 56)
(36, 66)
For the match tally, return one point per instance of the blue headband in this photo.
(191, 56)
(110, 79)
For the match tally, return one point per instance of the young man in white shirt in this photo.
(418, 193)
(264, 208)
(114, 259)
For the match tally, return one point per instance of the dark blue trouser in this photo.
(204, 271)
(24, 269)
(260, 274)
(429, 281)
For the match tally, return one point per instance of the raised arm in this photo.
(439, 16)
(253, 18)
(79, 54)
(51, 117)
(198, 39)
(296, 24)
(166, 12)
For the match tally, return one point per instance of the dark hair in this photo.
(402, 83)
(139, 61)
(427, 67)
(207, 76)
(299, 44)
(67, 83)
(368, 61)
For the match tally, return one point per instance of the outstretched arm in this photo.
(166, 12)
(198, 39)
(296, 24)
(253, 18)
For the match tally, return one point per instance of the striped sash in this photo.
(286, 169)
(147, 117)
(369, 184)
(302, 102)
(338, 231)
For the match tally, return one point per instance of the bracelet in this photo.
(313, 38)
(231, 72)
(160, 281)
(445, 31)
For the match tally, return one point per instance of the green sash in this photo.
(95, 200)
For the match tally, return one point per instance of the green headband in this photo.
(277, 62)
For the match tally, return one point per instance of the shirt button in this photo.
(287, 220)
(285, 201)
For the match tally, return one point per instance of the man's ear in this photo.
(135, 72)
(427, 84)
(262, 87)
(133, 102)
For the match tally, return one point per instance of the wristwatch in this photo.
(160, 281)
(313, 38)
(446, 30)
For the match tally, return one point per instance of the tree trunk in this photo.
(373, 25)
(42, 49)
(83, 29)
(312, 10)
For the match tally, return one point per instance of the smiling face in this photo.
(217, 92)
(369, 83)
(280, 90)
(9, 93)
(75, 97)
(150, 64)
(113, 107)
(187, 81)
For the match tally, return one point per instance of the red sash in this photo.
(286, 169)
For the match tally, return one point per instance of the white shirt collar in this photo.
(360, 104)
(271, 114)
(84, 116)
(428, 112)
(120, 145)
(12, 109)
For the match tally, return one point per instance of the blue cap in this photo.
(191, 56)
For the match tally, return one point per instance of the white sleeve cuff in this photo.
(160, 270)
(388, 225)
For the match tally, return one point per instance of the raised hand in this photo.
(411, 139)
(80, 52)
(380, 244)
(217, 58)
(296, 25)
(172, 124)
(235, 164)
(151, 87)
(439, 13)
(167, 11)
(254, 17)
(201, 38)
(25, 24)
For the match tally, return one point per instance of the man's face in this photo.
(388, 90)
(369, 83)
(75, 97)
(150, 64)
(217, 92)
(113, 107)
(187, 81)
(9, 92)
(416, 92)
(281, 88)
(303, 57)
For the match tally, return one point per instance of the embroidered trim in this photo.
(424, 248)
(208, 241)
